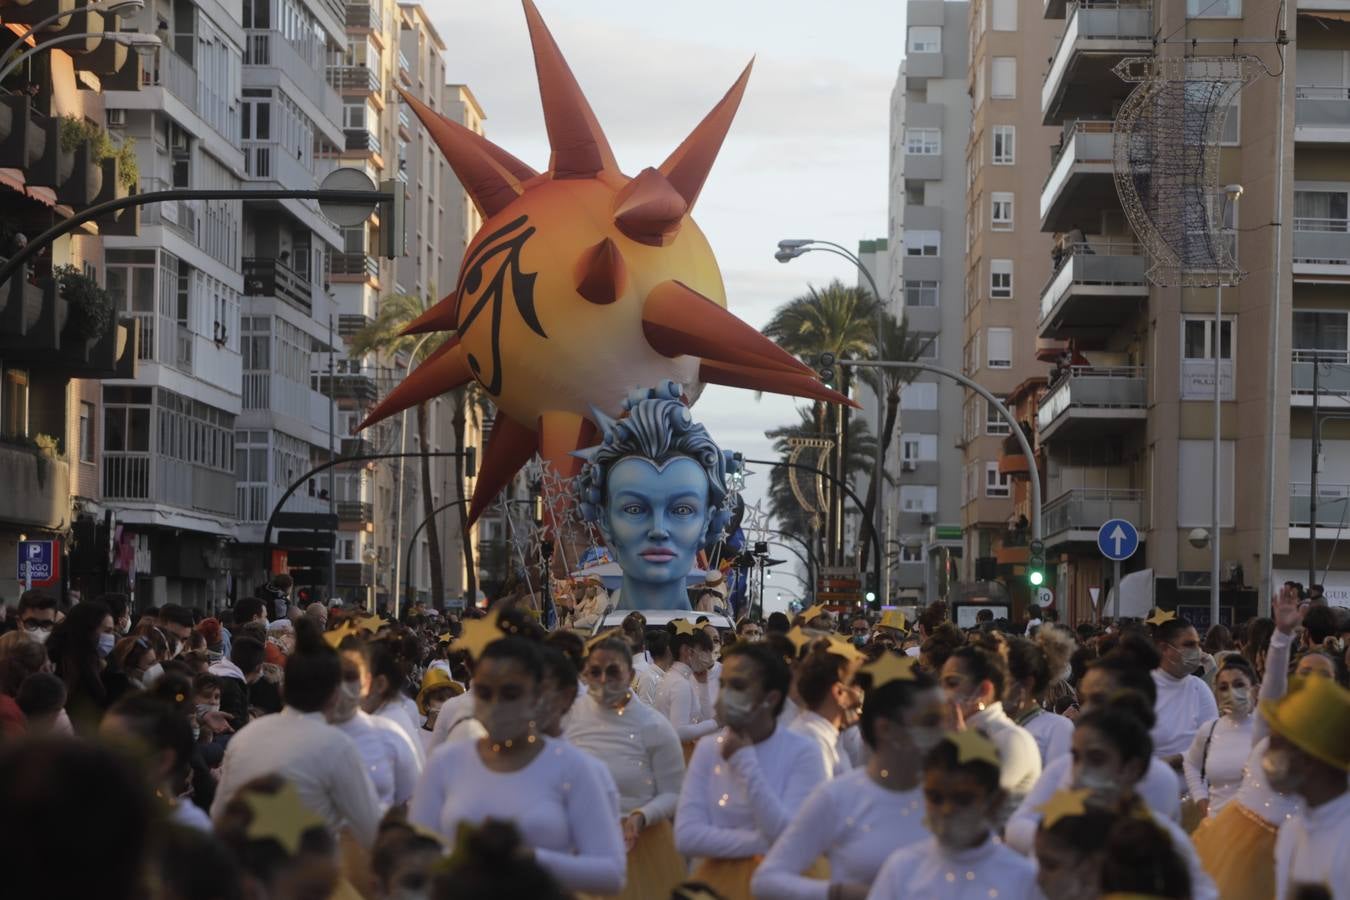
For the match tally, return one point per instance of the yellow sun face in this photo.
(583, 284)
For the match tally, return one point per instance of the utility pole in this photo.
(332, 450)
(1316, 453)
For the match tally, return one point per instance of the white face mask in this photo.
(736, 707)
(925, 737)
(152, 674)
(39, 635)
(608, 693)
(959, 830)
(1099, 781)
(505, 721)
(106, 642)
(348, 701)
(1236, 701)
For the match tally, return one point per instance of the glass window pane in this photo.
(1193, 339)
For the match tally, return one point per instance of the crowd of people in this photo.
(280, 752)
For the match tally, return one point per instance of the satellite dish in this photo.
(346, 214)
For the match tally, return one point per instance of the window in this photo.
(1197, 338)
(354, 115)
(925, 344)
(1197, 358)
(994, 423)
(1000, 279)
(925, 39)
(86, 432)
(1321, 210)
(1003, 78)
(999, 348)
(918, 498)
(995, 482)
(1232, 125)
(923, 141)
(923, 243)
(973, 354)
(921, 293)
(918, 395)
(1320, 330)
(911, 551)
(1005, 145)
(916, 448)
(14, 403)
(1005, 15)
(1213, 9)
(1001, 205)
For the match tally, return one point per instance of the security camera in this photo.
(1199, 538)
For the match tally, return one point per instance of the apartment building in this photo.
(930, 121)
(56, 342)
(1007, 259)
(1127, 422)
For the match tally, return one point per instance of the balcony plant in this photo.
(91, 307)
(76, 131)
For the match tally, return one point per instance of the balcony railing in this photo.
(1095, 20)
(404, 67)
(363, 15)
(358, 139)
(1097, 266)
(356, 79)
(1333, 504)
(167, 481)
(1333, 377)
(270, 277)
(269, 47)
(270, 161)
(355, 510)
(1321, 242)
(164, 68)
(353, 264)
(1086, 148)
(1085, 509)
(1095, 388)
(1322, 106)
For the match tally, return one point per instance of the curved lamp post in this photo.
(115, 7)
(141, 43)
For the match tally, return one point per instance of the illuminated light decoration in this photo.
(1166, 141)
(583, 285)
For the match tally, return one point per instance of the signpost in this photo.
(39, 564)
(1117, 539)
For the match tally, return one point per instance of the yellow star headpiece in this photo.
(602, 636)
(446, 638)
(1063, 804)
(799, 638)
(282, 816)
(1159, 617)
(893, 618)
(478, 633)
(842, 647)
(889, 667)
(683, 626)
(370, 623)
(972, 746)
(813, 613)
(336, 635)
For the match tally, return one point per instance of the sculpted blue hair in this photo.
(657, 426)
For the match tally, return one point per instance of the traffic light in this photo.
(870, 590)
(393, 228)
(825, 368)
(1036, 564)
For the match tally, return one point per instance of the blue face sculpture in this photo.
(655, 518)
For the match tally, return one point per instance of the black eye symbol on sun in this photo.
(509, 240)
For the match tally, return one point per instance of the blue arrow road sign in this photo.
(1117, 539)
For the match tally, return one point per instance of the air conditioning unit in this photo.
(908, 465)
(117, 118)
(178, 140)
(926, 519)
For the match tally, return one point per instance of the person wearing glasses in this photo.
(37, 615)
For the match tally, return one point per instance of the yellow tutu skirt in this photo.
(654, 866)
(731, 877)
(1237, 849)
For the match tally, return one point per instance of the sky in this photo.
(806, 157)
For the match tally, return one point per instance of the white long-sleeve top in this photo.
(853, 822)
(735, 808)
(1220, 749)
(323, 763)
(1182, 705)
(1052, 732)
(1019, 757)
(1311, 849)
(639, 747)
(558, 802)
(455, 722)
(677, 699)
(403, 712)
(645, 681)
(826, 737)
(391, 762)
(1160, 789)
(1255, 794)
(928, 870)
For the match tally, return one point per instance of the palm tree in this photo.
(896, 344)
(783, 503)
(385, 336)
(836, 319)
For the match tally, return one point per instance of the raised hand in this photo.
(1286, 610)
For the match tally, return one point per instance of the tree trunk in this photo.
(869, 515)
(428, 509)
(841, 463)
(465, 536)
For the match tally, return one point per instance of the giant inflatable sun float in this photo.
(583, 284)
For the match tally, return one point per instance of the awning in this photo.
(1326, 14)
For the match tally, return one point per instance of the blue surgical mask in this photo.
(105, 644)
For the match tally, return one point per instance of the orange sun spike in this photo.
(443, 316)
(490, 175)
(578, 144)
(509, 447)
(560, 434)
(687, 168)
(773, 381)
(649, 210)
(601, 273)
(678, 320)
(444, 370)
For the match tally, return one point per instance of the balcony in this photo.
(359, 140)
(353, 266)
(1333, 378)
(358, 384)
(166, 69)
(364, 16)
(1322, 114)
(355, 511)
(268, 48)
(1095, 287)
(404, 69)
(923, 167)
(1333, 509)
(1076, 515)
(1080, 184)
(41, 330)
(1097, 35)
(267, 277)
(1054, 9)
(165, 481)
(37, 487)
(354, 80)
(1321, 248)
(1091, 401)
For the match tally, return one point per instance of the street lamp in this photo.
(141, 43)
(115, 7)
(402, 449)
(788, 250)
(1231, 194)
